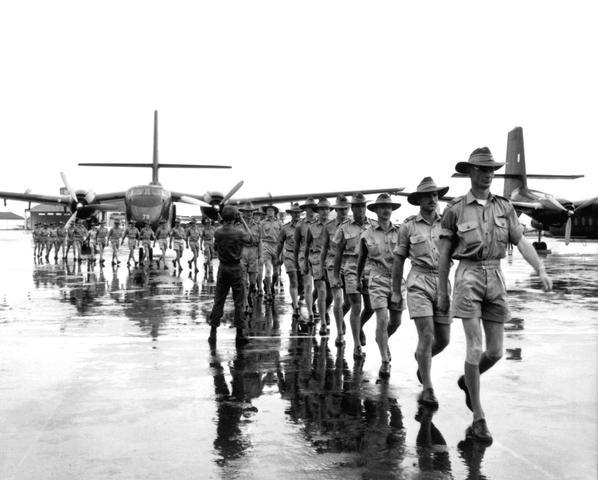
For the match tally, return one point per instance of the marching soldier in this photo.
(419, 240)
(313, 264)
(102, 240)
(347, 239)
(178, 235)
(206, 243)
(60, 241)
(162, 235)
(147, 236)
(286, 246)
(476, 229)
(269, 233)
(251, 255)
(376, 247)
(309, 207)
(132, 235)
(193, 236)
(329, 248)
(80, 234)
(115, 235)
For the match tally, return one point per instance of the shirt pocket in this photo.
(501, 229)
(419, 246)
(469, 234)
(352, 240)
(373, 248)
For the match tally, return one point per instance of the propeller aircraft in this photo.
(152, 203)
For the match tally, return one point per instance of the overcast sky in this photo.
(296, 96)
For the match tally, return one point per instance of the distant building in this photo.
(47, 214)
(11, 221)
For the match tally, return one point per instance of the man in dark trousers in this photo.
(228, 243)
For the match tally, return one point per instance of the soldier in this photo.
(347, 240)
(80, 234)
(258, 218)
(69, 237)
(147, 236)
(102, 240)
(309, 207)
(329, 248)
(419, 238)
(178, 234)
(476, 229)
(92, 241)
(193, 236)
(43, 238)
(376, 247)
(132, 235)
(286, 246)
(269, 233)
(251, 255)
(60, 241)
(206, 244)
(51, 241)
(114, 237)
(313, 250)
(228, 243)
(162, 235)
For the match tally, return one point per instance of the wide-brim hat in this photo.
(383, 200)
(323, 203)
(341, 202)
(309, 203)
(480, 157)
(266, 207)
(358, 199)
(295, 208)
(427, 185)
(247, 207)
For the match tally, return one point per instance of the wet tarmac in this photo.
(108, 374)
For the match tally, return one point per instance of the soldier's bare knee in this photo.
(473, 354)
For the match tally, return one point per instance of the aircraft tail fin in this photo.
(155, 165)
(515, 174)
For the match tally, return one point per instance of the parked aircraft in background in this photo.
(152, 203)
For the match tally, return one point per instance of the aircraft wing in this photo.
(527, 207)
(180, 197)
(35, 198)
(592, 202)
(315, 195)
(109, 197)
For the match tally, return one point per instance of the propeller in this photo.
(216, 203)
(194, 201)
(72, 218)
(69, 187)
(570, 212)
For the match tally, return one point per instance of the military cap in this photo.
(383, 200)
(309, 203)
(480, 157)
(295, 208)
(247, 207)
(358, 199)
(427, 185)
(341, 202)
(323, 203)
(266, 207)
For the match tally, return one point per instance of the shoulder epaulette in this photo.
(409, 218)
(454, 201)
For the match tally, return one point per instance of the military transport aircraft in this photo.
(152, 203)
(548, 213)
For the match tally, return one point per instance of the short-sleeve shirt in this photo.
(162, 232)
(419, 241)
(194, 233)
(146, 233)
(330, 230)
(178, 233)
(255, 230)
(270, 230)
(287, 236)
(481, 232)
(381, 245)
(350, 231)
(208, 234)
(316, 230)
(229, 242)
(132, 233)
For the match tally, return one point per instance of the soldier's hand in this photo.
(546, 281)
(360, 285)
(396, 297)
(443, 302)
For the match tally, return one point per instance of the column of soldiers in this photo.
(361, 261)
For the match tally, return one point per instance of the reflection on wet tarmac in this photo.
(287, 405)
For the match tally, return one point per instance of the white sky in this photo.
(296, 96)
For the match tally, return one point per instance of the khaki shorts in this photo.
(381, 292)
(480, 291)
(249, 259)
(315, 267)
(178, 244)
(194, 245)
(422, 296)
(288, 258)
(132, 243)
(208, 251)
(163, 244)
(330, 277)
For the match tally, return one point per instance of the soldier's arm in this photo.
(338, 258)
(531, 256)
(308, 239)
(363, 255)
(297, 244)
(398, 265)
(325, 245)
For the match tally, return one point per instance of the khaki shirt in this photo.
(381, 244)
(207, 235)
(287, 236)
(255, 230)
(330, 231)
(481, 232)
(178, 233)
(419, 241)
(115, 233)
(270, 230)
(350, 232)
(162, 232)
(146, 234)
(194, 233)
(102, 233)
(315, 231)
(132, 233)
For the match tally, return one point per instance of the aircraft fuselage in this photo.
(549, 214)
(148, 203)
